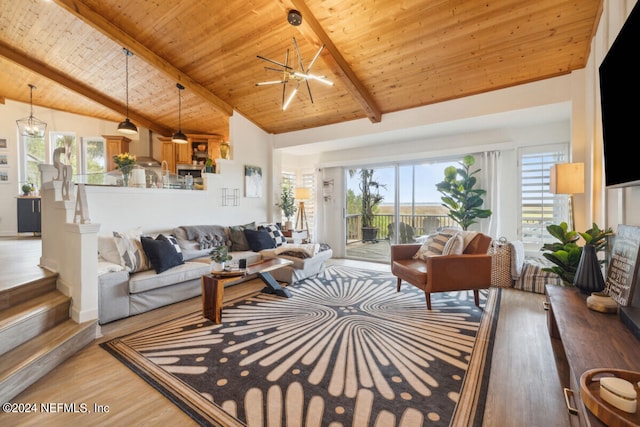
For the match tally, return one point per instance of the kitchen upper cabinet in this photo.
(116, 144)
(169, 153)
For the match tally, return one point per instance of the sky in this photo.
(426, 178)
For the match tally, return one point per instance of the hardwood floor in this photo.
(523, 388)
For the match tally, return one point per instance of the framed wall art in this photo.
(252, 181)
(4, 144)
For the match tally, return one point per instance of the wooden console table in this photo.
(584, 339)
(213, 285)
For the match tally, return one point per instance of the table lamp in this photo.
(567, 178)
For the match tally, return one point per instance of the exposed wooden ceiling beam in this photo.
(353, 84)
(46, 71)
(88, 15)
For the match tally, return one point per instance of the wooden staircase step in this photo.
(28, 319)
(26, 291)
(27, 363)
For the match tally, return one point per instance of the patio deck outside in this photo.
(379, 250)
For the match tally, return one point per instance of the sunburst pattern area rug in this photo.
(345, 350)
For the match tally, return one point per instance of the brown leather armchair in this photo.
(444, 273)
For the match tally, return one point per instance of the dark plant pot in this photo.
(208, 169)
(588, 276)
(370, 234)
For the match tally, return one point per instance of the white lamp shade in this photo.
(566, 178)
(303, 193)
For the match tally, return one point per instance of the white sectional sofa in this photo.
(129, 282)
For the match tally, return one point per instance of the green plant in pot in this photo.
(208, 166)
(220, 255)
(287, 204)
(566, 253)
(370, 199)
(27, 188)
(458, 195)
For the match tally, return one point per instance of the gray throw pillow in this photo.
(238, 239)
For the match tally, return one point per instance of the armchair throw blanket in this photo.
(208, 236)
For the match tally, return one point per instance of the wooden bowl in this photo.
(608, 414)
(202, 147)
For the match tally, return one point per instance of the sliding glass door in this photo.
(408, 208)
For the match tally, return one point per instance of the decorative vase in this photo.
(224, 150)
(217, 266)
(126, 176)
(588, 276)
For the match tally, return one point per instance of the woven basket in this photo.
(500, 264)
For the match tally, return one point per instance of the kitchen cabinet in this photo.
(168, 153)
(116, 144)
(29, 215)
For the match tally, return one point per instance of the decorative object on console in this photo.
(459, 196)
(179, 137)
(30, 126)
(566, 254)
(567, 178)
(588, 276)
(302, 194)
(126, 126)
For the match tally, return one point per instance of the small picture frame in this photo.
(4, 160)
(4, 143)
(4, 177)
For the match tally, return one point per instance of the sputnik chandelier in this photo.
(294, 75)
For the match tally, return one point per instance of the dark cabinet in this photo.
(29, 215)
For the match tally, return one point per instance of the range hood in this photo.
(147, 162)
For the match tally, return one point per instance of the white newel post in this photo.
(69, 247)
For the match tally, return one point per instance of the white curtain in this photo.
(490, 181)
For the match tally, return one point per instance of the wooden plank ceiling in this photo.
(382, 55)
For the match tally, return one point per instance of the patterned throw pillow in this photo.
(434, 245)
(275, 233)
(132, 256)
(174, 242)
(161, 253)
(454, 246)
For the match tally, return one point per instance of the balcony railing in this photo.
(422, 224)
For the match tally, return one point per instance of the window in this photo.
(93, 159)
(540, 208)
(66, 140)
(33, 153)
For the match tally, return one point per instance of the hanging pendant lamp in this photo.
(30, 126)
(179, 137)
(127, 126)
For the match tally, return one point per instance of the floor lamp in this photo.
(301, 195)
(567, 178)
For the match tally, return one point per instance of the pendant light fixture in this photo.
(179, 137)
(127, 126)
(30, 126)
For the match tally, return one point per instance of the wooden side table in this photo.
(213, 285)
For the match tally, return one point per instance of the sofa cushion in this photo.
(275, 233)
(434, 245)
(238, 239)
(107, 249)
(147, 280)
(174, 242)
(132, 256)
(259, 240)
(454, 246)
(161, 252)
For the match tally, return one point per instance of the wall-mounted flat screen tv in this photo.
(620, 102)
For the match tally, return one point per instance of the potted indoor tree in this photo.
(287, 204)
(370, 198)
(464, 201)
